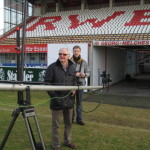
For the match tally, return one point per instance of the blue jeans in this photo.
(79, 94)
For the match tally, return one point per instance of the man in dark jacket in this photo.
(61, 72)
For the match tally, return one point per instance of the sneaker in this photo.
(80, 123)
(71, 145)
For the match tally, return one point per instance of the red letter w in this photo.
(95, 23)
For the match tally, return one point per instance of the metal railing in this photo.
(23, 87)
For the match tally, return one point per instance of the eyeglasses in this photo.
(62, 54)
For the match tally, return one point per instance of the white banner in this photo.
(53, 49)
(119, 43)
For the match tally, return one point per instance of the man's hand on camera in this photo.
(73, 92)
(77, 74)
(82, 75)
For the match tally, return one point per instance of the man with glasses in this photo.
(61, 72)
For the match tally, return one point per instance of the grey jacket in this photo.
(82, 67)
(55, 75)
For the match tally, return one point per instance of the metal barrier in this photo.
(22, 87)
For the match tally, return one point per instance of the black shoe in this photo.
(80, 123)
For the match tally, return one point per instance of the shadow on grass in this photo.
(130, 93)
(119, 100)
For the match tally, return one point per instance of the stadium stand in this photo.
(116, 24)
(78, 26)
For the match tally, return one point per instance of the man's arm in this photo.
(86, 70)
(49, 78)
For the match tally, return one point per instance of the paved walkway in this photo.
(137, 86)
(131, 93)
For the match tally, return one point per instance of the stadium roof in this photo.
(77, 2)
(69, 3)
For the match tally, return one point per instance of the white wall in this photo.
(98, 63)
(131, 63)
(53, 49)
(115, 63)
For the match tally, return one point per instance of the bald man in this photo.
(61, 72)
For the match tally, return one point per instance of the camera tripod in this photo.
(27, 112)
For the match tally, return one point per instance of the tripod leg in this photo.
(30, 112)
(30, 129)
(15, 115)
(39, 132)
(38, 146)
(30, 134)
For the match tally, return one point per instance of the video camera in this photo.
(105, 78)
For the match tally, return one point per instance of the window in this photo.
(42, 56)
(13, 17)
(31, 56)
(10, 58)
(13, 10)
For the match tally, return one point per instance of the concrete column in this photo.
(57, 7)
(141, 2)
(83, 3)
(110, 3)
(90, 61)
(82, 6)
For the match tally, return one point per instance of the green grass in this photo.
(117, 124)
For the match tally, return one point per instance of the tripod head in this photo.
(105, 78)
(26, 101)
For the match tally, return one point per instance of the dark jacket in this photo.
(55, 75)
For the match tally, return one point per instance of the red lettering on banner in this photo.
(110, 43)
(127, 43)
(138, 16)
(141, 43)
(8, 49)
(107, 43)
(41, 48)
(44, 21)
(95, 23)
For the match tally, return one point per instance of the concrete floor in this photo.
(137, 86)
(131, 93)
